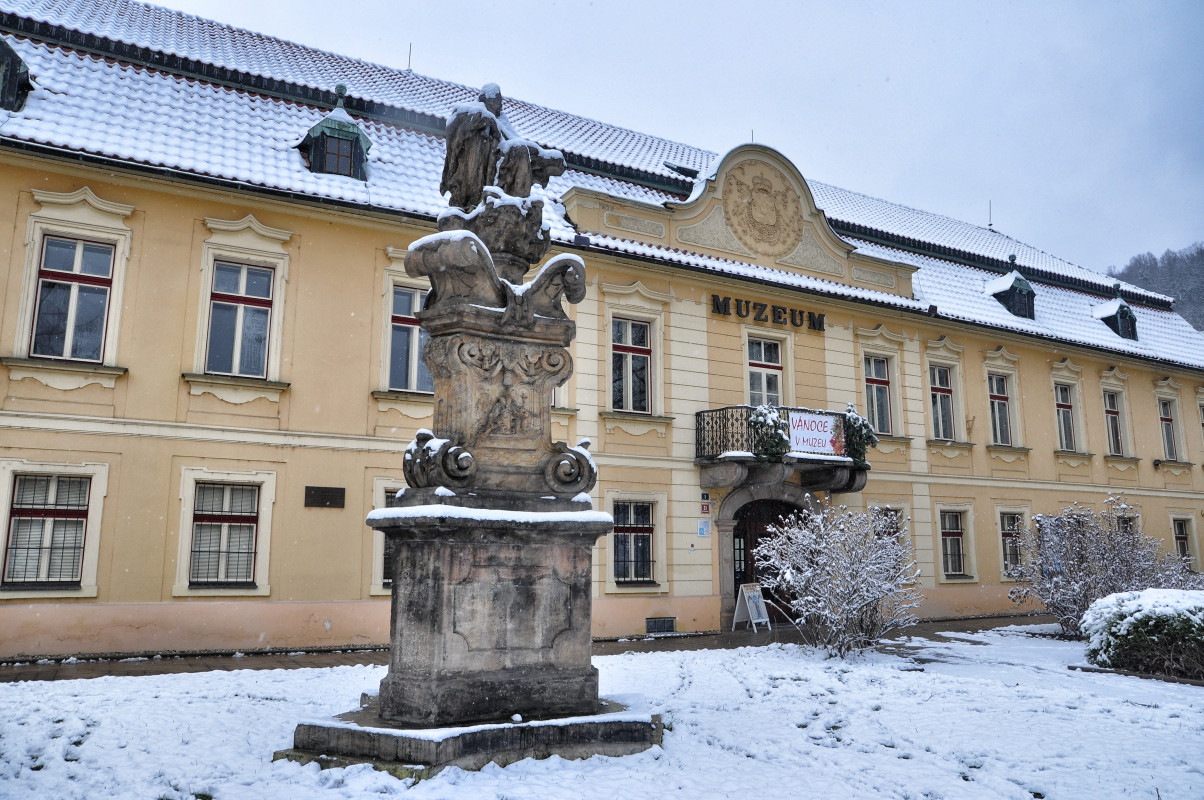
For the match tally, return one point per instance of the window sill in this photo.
(626, 584)
(959, 578)
(416, 405)
(1159, 463)
(31, 591)
(564, 411)
(234, 389)
(220, 591)
(634, 423)
(62, 375)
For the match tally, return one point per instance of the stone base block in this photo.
(545, 691)
(362, 737)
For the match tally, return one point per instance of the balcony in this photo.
(825, 449)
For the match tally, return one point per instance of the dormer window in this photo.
(337, 145)
(1014, 293)
(1117, 315)
(14, 79)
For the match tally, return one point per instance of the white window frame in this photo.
(633, 301)
(879, 342)
(1166, 397)
(660, 537)
(969, 572)
(1189, 537)
(1023, 513)
(189, 478)
(382, 487)
(394, 282)
(785, 353)
(999, 404)
(950, 417)
(1065, 415)
(628, 352)
(1000, 362)
(1116, 382)
(79, 215)
(98, 473)
(872, 406)
(244, 242)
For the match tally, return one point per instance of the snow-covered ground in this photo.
(995, 715)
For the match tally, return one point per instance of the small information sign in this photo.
(704, 527)
(750, 607)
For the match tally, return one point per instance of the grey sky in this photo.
(1082, 124)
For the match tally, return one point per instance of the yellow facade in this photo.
(150, 426)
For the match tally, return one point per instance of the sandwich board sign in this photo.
(750, 607)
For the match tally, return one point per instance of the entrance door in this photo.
(751, 523)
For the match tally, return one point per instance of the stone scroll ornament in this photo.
(497, 346)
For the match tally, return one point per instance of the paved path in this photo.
(57, 670)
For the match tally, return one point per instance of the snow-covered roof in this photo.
(185, 117)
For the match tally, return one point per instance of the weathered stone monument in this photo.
(490, 548)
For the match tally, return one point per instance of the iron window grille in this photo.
(630, 365)
(225, 522)
(75, 280)
(239, 318)
(633, 543)
(764, 372)
(953, 558)
(47, 521)
(407, 340)
(1009, 529)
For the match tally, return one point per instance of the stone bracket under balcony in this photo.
(730, 454)
(736, 472)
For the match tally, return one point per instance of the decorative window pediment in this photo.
(15, 81)
(1014, 293)
(1117, 315)
(337, 145)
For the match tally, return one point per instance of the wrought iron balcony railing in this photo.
(732, 431)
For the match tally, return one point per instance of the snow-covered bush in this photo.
(1158, 631)
(859, 436)
(1070, 560)
(770, 434)
(849, 577)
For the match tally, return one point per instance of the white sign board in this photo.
(750, 607)
(816, 433)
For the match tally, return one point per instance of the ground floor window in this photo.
(1009, 529)
(633, 542)
(225, 520)
(953, 554)
(48, 518)
(1182, 537)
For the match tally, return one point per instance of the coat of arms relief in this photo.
(762, 209)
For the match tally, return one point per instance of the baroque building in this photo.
(212, 363)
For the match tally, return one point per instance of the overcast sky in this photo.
(1081, 124)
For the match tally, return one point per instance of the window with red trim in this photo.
(225, 521)
(240, 314)
(764, 372)
(630, 365)
(75, 281)
(47, 520)
(407, 372)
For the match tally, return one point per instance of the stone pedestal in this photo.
(491, 609)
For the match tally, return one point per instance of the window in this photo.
(1166, 419)
(337, 145)
(47, 523)
(1009, 530)
(240, 312)
(877, 393)
(74, 284)
(764, 372)
(74, 273)
(407, 372)
(630, 364)
(1116, 439)
(50, 518)
(338, 155)
(953, 556)
(1064, 407)
(1015, 294)
(941, 385)
(1126, 525)
(1001, 415)
(225, 519)
(1182, 531)
(225, 532)
(633, 543)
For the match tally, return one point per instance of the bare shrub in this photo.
(1070, 560)
(849, 577)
